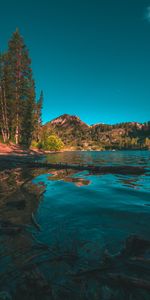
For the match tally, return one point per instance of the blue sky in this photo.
(90, 57)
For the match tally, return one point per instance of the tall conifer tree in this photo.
(21, 89)
(38, 118)
(4, 105)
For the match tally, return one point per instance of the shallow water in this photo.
(80, 216)
(102, 157)
(103, 209)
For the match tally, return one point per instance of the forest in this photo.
(20, 111)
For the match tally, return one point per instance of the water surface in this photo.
(103, 209)
(79, 217)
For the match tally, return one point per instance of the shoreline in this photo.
(14, 150)
(31, 152)
(17, 150)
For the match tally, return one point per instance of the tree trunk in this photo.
(6, 115)
(3, 112)
(4, 135)
(17, 131)
(17, 115)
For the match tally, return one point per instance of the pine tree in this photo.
(4, 110)
(38, 118)
(21, 89)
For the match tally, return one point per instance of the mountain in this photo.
(68, 120)
(70, 129)
(78, 135)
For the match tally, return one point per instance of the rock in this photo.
(136, 245)
(7, 227)
(107, 293)
(18, 204)
(5, 296)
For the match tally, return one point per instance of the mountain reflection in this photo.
(66, 176)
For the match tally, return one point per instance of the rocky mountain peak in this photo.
(66, 119)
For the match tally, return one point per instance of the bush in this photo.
(34, 144)
(52, 143)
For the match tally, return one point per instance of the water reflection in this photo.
(102, 158)
(132, 182)
(19, 196)
(19, 199)
(67, 176)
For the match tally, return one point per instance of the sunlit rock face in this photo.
(67, 120)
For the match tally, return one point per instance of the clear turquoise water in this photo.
(102, 157)
(101, 210)
(80, 216)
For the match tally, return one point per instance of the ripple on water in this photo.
(108, 206)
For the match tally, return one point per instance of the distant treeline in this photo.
(20, 112)
(78, 135)
(129, 135)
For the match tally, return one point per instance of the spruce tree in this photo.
(38, 118)
(21, 90)
(4, 105)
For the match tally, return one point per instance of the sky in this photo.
(91, 58)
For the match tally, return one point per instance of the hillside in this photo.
(78, 135)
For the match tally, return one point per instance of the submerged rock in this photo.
(107, 293)
(135, 245)
(18, 204)
(5, 296)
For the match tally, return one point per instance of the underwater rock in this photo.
(18, 204)
(129, 281)
(37, 284)
(5, 296)
(107, 293)
(135, 245)
(7, 227)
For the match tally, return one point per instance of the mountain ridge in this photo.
(76, 134)
(73, 117)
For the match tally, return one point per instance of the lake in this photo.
(85, 219)
(100, 208)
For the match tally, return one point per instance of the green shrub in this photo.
(35, 144)
(51, 143)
